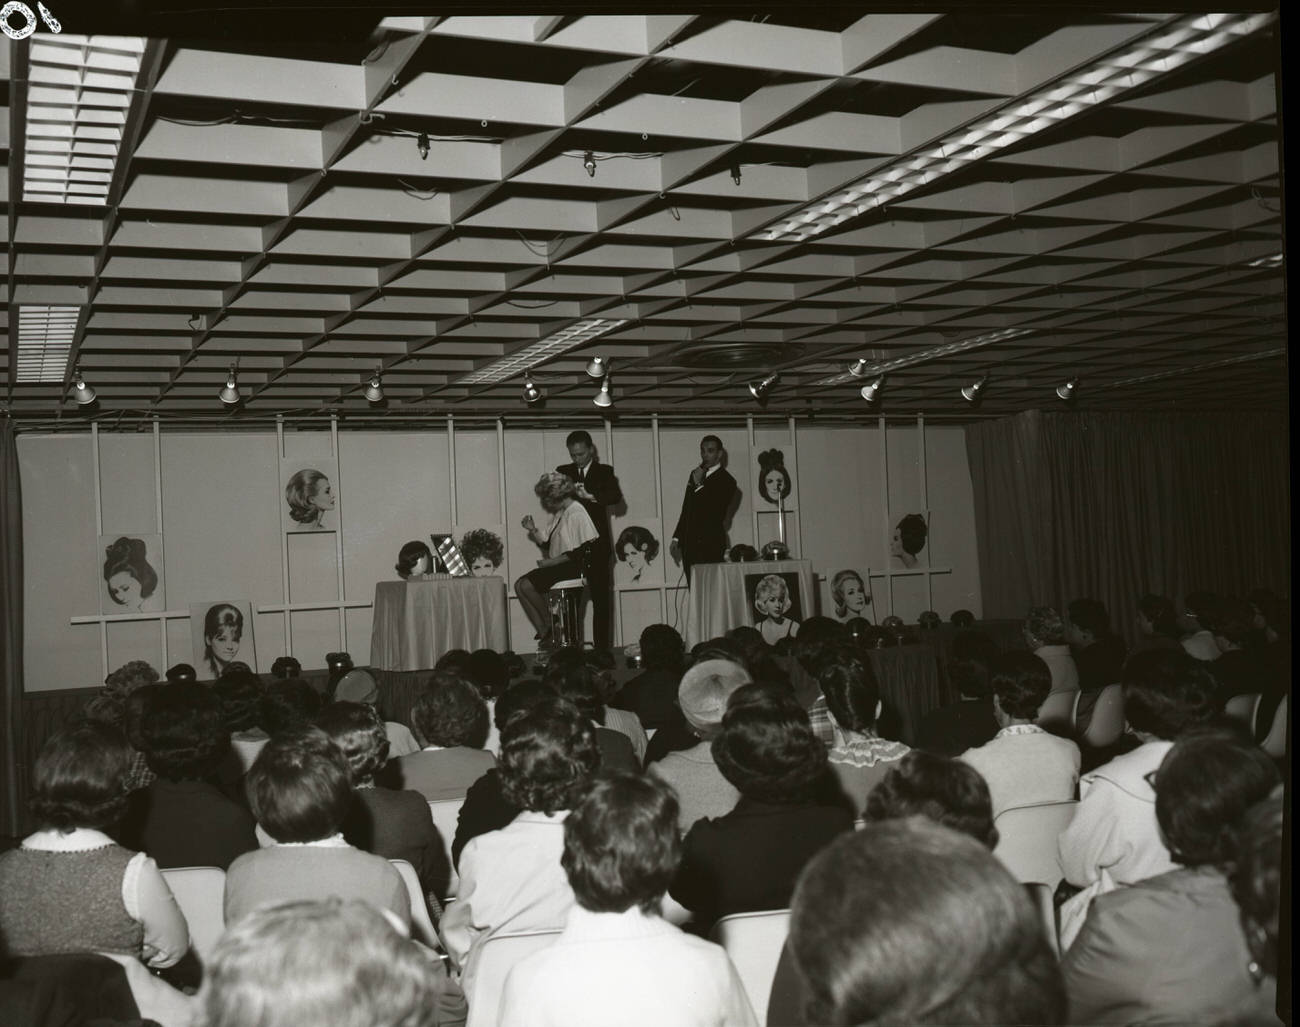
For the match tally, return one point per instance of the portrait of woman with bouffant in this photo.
(132, 583)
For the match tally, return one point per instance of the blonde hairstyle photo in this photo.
(773, 586)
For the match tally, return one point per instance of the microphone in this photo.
(697, 475)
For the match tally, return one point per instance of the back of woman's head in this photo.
(450, 713)
(300, 786)
(548, 757)
(849, 683)
(289, 705)
(575, 681)
(767, 748)
(358, 731)
(968, 663)
(182, 733)
(80, 777)
(486, 669)
(1021, 682)
(331, 962)
(1160, 614)
(1257, 878)
(949, 792)
(1167, 692)
(240, 695)
(662, 648)
(518, 699)
(1205, 783)
(910, 922)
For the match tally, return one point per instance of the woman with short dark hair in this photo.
(451, 721)
(946, 791)
(511, 879)
(69, 887)
(749, 858)
(617, 960)
(1170, 949)
(300, 791)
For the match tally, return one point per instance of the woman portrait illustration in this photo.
(636, 550)
(311, 499)
(484, 551)
(908, 540)
(222, 635)
(131, 583)
(774, 483)
(775, 603)
(850, 595)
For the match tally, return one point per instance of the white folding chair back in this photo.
(201, 894)
(1041, 896)
(422, 929)
(1027, 840)
(494, 961)
(446, 815)
(1244, 708)
(1275, 742)
(754, 942)
(1107, 722)
(1058, 710)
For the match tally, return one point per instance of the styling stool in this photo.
(564, 600)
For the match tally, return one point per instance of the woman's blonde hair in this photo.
(773, 586)
(553, 488)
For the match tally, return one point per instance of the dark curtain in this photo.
(1115, 505)
(11, 629)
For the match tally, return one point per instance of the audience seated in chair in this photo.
(859, 757)
(651, 694)
(1198, 613)
(1157, 623)
(1245, 663)
(1171, 949)
(951, 730)
(789, 808)
(289, 705)
(240, 695)
(617, 960)
(324, 962)
(1023, 764)
(1257, 888)
(391, 823)
(1098, 653)
(571, 677)
(702, 790)
(300, 791)
(118, 704)
(1045, 635)
(451, 722)
(910, 922)
(362, 687)
(69, 887)
(511, 879)
(487, 671)
(182, 819)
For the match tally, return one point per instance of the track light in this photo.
(858, 368)
(1066, 391)
(532, 394)
(230, 391)
(597, 367)
(735, 172)
(422, 144)
(759, 390)
(589, 162)
(871, 392)
(971, 393)
(603, 398)
(83, 394)
(375, 388)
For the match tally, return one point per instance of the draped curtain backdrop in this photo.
(1111, 506)
(11, 629)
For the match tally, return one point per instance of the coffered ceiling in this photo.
(452, 202)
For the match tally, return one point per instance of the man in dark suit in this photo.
(701, 533)
(597, 491)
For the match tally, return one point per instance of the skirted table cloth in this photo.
(415, 622)
(718, 600)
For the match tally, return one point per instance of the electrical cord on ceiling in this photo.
(533, 306)
(548, 249)
(1264, 203)
(582, 155)
(377, 52)
(419, 194)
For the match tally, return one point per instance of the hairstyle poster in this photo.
(907, 541)
(221, 633)
(851, 594)
(484, 551)
(774, 481)
(132, 573)
(774, 604)
(310, 498)
(638, 552)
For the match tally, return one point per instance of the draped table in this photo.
(415, 622)
(716, 601)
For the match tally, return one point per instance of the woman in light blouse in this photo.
(568, 532)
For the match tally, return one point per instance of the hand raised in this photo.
(528, 523)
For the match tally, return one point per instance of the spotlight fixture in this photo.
(589, 162)
(532, 394)
(597, 367)
(422, 144)
(1066, 391)
(735, 172)
(871, 392)
(603, 398)
(858, 368)
(230, 391)
(375, 388)
(759, 390)
(83, 394)
(971, 393)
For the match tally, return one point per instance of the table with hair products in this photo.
(416, 621)
(718, 599)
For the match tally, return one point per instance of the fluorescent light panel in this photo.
(541, 351)
(1188, 38)
(926, 355)
(44, 342)
(80, 90)
(1273, 260)
(1226, 362)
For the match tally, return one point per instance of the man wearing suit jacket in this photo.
(701, 533)
(597, 491)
